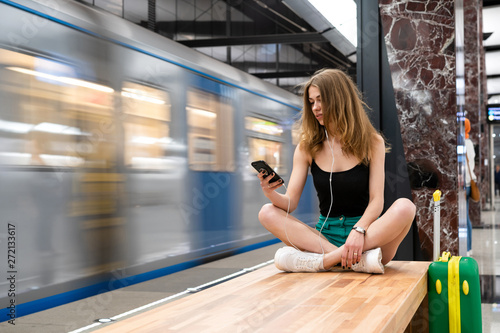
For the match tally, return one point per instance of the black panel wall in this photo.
(374, 80)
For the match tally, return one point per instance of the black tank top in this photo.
(350, 190)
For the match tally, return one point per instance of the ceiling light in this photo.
(342, 14)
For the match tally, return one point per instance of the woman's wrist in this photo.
(359, 230)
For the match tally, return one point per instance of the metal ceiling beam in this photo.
(208, 28)
(281, 75)
(489, 3)
(492, 48)
(284, 65)
(296, 38)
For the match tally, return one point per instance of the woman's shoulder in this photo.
(377, 137)
(469, 144)
(469, 147)
(301, 154)
(378, 148)
(378, 141)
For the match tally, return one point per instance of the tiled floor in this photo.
(486, 250)
(84, 313)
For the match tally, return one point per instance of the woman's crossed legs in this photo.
(387, 232)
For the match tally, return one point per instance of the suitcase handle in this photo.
(445, 257)
(437, 225)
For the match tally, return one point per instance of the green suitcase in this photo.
(454, 295)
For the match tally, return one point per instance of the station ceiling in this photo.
(276, 26)
(299, 25)
(281, 41)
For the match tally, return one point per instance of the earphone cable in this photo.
(329, 209)
(331, 194)
(286, 217)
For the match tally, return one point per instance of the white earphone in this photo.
(331, 191)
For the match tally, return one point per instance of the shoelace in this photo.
(308, 262)
(358, 265)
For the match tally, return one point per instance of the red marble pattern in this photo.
(484, 146)
(419, 37)
(475, 107)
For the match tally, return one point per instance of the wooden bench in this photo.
(268, 300)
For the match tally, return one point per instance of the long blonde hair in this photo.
(343, 113)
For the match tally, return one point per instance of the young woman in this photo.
(346, 157)
(469, 175)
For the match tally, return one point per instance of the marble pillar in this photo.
(420, 42)
(487, 180)
(474, 103)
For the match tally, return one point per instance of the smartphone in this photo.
(262, 165)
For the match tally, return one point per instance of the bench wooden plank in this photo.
(269, 300)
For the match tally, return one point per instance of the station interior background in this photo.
(285, 41)
(280, 41)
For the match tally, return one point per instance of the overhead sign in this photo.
(493, 111)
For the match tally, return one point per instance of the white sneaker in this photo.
(289, 259)
(371, 262)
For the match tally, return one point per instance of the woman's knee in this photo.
(405, 209)
(267, 214)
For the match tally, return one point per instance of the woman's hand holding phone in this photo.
(266, 184)
(269, 180)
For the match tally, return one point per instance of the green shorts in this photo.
(336, 229)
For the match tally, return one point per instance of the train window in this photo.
(210, 137)
(296, 133)
(263, 126)
(269, 151)
(146, 123)
(51, 117)
(264, 144)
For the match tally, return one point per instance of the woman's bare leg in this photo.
(301, 235)
(387, 232)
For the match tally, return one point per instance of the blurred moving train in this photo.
(124, 155)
